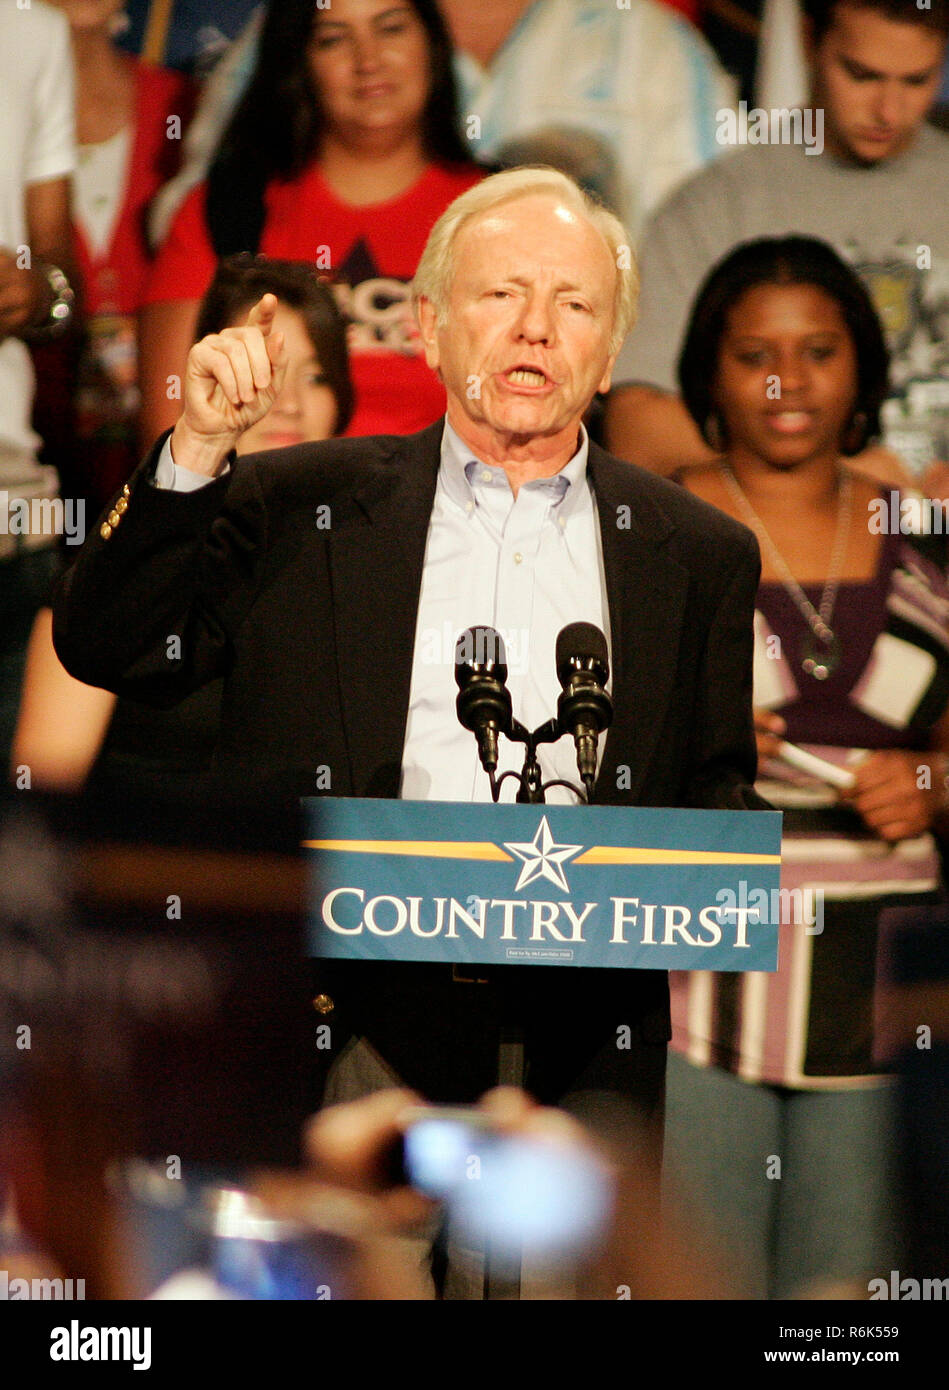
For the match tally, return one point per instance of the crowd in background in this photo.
(177, 162)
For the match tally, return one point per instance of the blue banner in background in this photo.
(196, 34)
(622, 887)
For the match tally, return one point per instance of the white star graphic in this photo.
(543, 858)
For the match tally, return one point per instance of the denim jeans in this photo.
(823, 1213)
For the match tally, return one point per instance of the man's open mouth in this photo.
(526, 376)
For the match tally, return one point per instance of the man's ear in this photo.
(428, 328)
(606, 380)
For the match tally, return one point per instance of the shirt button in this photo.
(518, 557)
(469, 506)
(486, 476)
(561, 522)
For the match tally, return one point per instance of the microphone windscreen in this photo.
(480, 649)
(580, 641)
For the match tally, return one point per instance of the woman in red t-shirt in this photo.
(344, 151)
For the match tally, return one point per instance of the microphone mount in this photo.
(532, 788)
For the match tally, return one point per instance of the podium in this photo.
(558, 887)
(551, 887)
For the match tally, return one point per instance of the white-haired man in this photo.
(505, 514)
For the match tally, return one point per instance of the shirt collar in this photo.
(461, 474)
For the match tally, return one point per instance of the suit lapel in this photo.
(376, 559)
(646, 592)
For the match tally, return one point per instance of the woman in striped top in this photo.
(779, 1110)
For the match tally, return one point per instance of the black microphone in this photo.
(584, 709)
(484, 701)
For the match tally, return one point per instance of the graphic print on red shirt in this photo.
(369, 253)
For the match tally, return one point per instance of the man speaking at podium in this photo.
(318, 580)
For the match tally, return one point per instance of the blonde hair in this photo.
(436, 267)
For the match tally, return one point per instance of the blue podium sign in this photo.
(622, 887)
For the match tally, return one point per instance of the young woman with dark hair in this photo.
(344, 151)
(323, 364)
(68, 732)
(782, 1076)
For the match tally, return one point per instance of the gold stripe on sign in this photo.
(617, 854)
(430, 849)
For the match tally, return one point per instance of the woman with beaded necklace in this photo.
(778, 1110)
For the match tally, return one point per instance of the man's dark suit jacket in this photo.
(311, 614)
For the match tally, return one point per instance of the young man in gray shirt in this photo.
(861, 169)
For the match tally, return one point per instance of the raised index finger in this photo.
(262, 314)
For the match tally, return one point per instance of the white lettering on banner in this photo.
(577, 922)
(508, 905)
(677, 927)
(622, 919)
(328, 904)
(633, 922)
(744, 916)
(401, 915)
(714, 927)
(545, 917)
(415, 924)
(475, 923)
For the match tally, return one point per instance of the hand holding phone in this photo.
(506, 1188)
(509, 1172)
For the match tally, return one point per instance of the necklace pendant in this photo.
(820, 659)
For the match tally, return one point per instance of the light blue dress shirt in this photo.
(526, 566)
